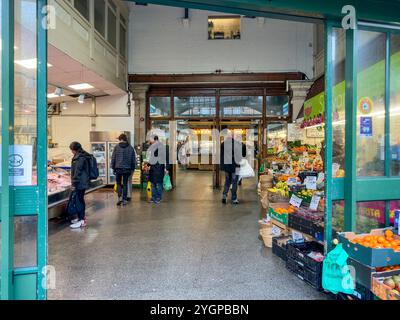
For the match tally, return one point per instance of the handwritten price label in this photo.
(314, 203)
(295, 201)
(311, 182)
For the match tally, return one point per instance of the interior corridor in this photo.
(190, 246)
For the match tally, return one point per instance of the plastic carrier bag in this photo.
(167, 182)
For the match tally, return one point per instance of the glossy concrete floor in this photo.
(191, 246)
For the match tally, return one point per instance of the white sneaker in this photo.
(79, 224)
(74, 221)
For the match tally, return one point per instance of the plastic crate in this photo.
(299, 251)
(279, 248)
(313, 278)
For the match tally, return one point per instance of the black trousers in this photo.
(81, 198)
(122, 184)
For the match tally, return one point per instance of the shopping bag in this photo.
(167, 183)
(73, 206)
(245, 170)
(115, 188)
(148, 190)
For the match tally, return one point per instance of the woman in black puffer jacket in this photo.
(123, 163)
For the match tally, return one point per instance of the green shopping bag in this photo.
(262, 168)
(336, 275)
(167, 183)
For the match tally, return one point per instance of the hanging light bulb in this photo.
(81, 98)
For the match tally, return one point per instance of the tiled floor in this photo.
(191, 246)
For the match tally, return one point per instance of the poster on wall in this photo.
(366, 126)
(20, 162)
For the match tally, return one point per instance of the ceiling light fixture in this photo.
(53, 95)
(81, 98)
(29, 63)
(81, 86)
(59, 91)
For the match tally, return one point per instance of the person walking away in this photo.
(157, 162)
(80, 179)
(229, 162)
(123, 163)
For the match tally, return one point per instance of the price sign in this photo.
(295, 201)
(321, 177)
(297, 236)
(291, 181)
(314, 203)
(275, 167)
(276, 231)
(311, 182)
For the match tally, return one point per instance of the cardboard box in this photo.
(369, 256)
(282, 218)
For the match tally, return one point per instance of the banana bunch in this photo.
(281, 188)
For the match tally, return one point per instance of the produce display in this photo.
(291, 209)
(281, 188)
(388, 240)
(387, 288)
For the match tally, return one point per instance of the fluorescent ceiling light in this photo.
(29, 63)
(81, 98)
(59, 91)
(53, 95)
(81, 86)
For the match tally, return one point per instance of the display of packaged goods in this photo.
(379, 248)
(279, 246)
(58, 180)
(305, 260)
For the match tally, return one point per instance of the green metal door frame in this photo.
(24, 282)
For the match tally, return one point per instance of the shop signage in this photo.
(316, 132)
(315, 202)
(365, 105)
(295, 133)
(311, 182)
(295, 201)
(366, 126)
(20, 164)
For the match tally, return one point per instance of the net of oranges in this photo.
(284, 210)
(385, 241)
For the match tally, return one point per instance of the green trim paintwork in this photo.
(351, 131)
(388, 154)
(7, 222)
(373, 10)
(338, 189)
(42, 148)
(25, 286)
(328, 136)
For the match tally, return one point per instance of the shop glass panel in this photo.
(25, 118)
(241, 106)
(100, 16)
(161, 129)
(222, 28)
(393, 206)
(370, 215)
(122, 40)
(276, 139)
(160, 106)
(338, 102)
(195, 106)
(337, 216)
(277, 106)
(395, 105)
(112, 28)
(83, 7)
(371, 103)
(25, 241)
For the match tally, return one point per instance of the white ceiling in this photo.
(66, 71)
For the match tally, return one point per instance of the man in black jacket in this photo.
(158, 159)
(232, 152)
(123, 163)
(80, 180)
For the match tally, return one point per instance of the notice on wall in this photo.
(311, 182)
(315, 203)
(366, 127)
(295, 201)
(295, 133)
(20, 163)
